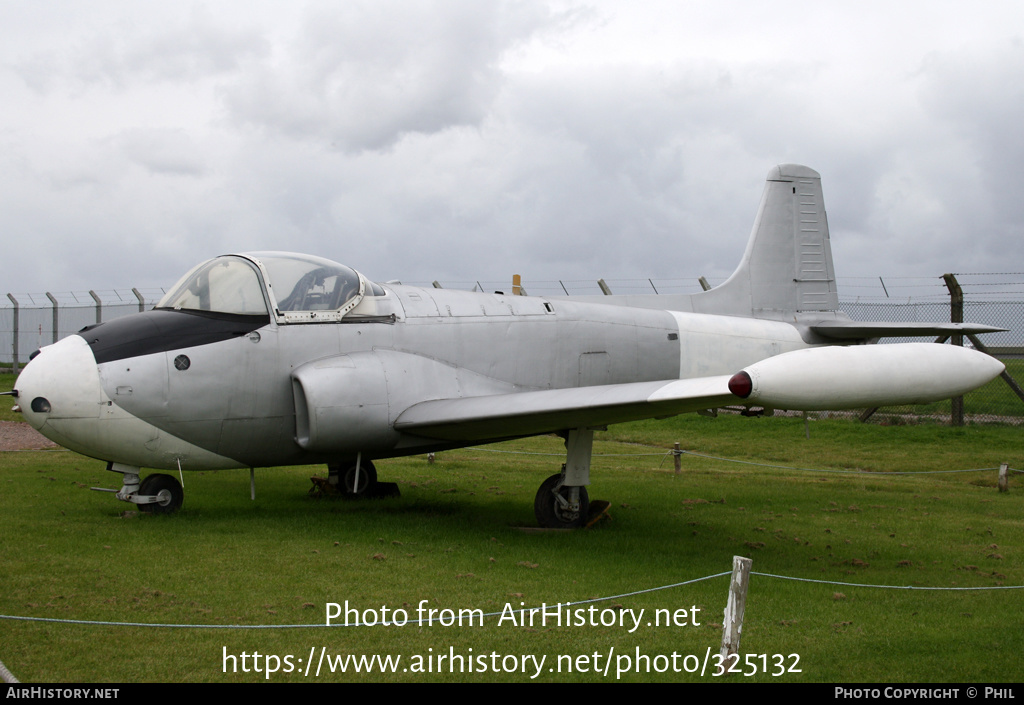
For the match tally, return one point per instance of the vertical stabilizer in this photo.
(787, 267)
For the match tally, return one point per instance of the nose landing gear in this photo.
(157, 494)
(166, 489)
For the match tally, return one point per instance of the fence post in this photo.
(99, 306)
(53, 300)
(956, 315)
(1004, 480)
(142, 301)
(676, 457)
(732, 624)
(6, 676)
(16, 323)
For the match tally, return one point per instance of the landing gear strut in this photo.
(562, 501)
(353, 479)
(356, 479)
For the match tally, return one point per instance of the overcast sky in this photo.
(464, 140)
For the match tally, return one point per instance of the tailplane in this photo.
(786, 273)
(787, 267)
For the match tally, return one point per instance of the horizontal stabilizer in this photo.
(500, 416)
(857, 330)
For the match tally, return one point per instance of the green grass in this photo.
(6, 385)
(453, 539)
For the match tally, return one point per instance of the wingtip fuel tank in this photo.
(861, 376)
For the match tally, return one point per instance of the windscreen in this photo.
(221, 285)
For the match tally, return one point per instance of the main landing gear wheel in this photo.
(554, 508)
(346, 474)
(168, 491)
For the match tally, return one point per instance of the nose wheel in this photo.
(157, 494)
(166, 489)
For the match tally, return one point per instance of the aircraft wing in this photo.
(528, 413)
(857, 330)
(829, 377)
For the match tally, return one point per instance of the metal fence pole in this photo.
(99, 306)
(53, 300)
(956, 315)
(16, 323)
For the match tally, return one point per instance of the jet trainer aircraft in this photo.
(268, 359)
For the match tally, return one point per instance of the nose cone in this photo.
(60, 383)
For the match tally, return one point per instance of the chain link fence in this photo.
(30, 321)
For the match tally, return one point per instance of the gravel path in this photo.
(21, 436)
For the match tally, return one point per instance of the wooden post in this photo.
(677, 458)
(1004, 477)
(732, 623)
(517, 285)
(6, 676)
(867, 414)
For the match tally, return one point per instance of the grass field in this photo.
(454, 541)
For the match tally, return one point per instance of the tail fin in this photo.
(787, 267)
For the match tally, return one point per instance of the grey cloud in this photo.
(125, 52)
(162, 151)
(362, 74)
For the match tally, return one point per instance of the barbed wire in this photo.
(115, 297)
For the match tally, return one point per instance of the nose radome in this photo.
(61, 382)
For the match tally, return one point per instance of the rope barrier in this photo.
(524, 610)
(669, 453)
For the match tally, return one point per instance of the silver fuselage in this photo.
(297, 393)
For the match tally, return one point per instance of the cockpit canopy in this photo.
(299, 288)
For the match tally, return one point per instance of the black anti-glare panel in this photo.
(161, 330)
